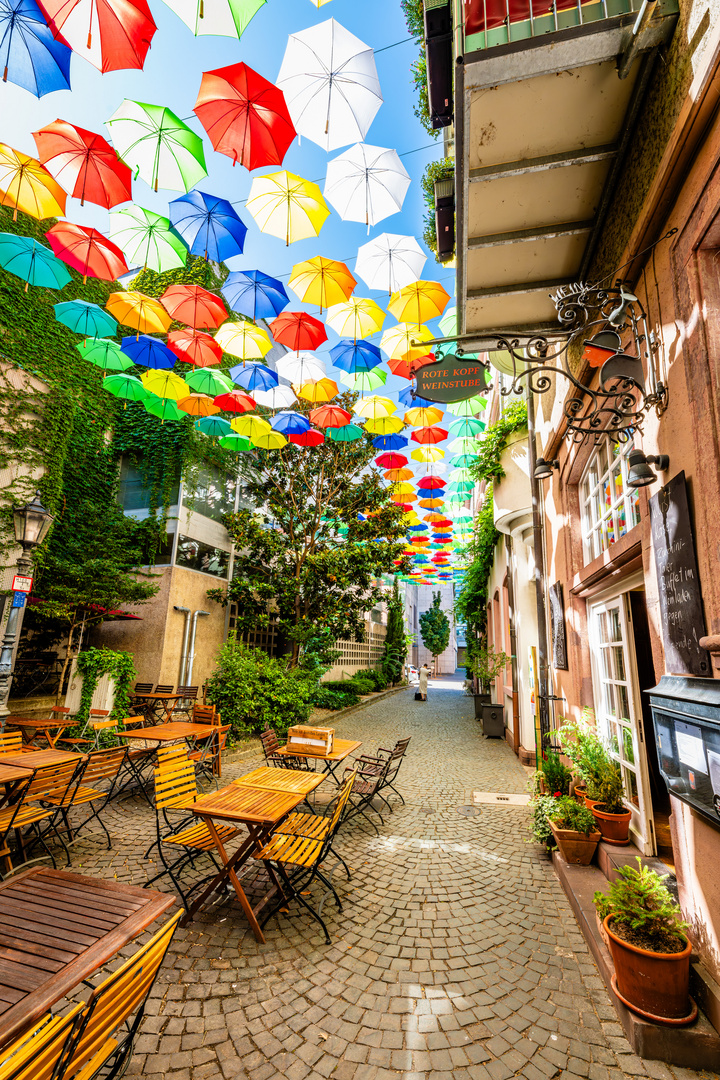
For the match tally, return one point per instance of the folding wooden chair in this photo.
(163, 688)
(47, 783)
(11, 742)
(143, 688)
(204, 714)
(297, 849)
(369, 783)
(208, 757)
(100, 765)
(94, 715)
(37, 1055)
(270, 746)
(375, 765)
(187, 703)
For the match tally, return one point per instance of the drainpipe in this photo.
(513, 644)
(539, 574)
(191, 651)
(184, 650)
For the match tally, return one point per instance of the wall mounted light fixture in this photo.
(639, 472)
(544, 469)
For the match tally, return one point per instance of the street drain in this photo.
(497, 798)
(468, 811)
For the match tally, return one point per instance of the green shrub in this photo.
(542, 806)
(569, 814)
(354, 686)
(643, 909)
(608, 790)
(556, 776)
(334, 699)
(376, 676)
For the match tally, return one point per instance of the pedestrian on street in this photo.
(423, 681)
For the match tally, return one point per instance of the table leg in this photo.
(329, 767)
(229, 871)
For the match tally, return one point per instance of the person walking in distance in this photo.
(423, 681)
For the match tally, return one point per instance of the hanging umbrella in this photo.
(244, 340)
(147, 239)
(355, 318)
(250, 426)
(277, 397)
(224, 18)
(208, 225)
(353, 356)
(319, 391)
(298, 330)
(398, 474)
(252, 293)
(111, 34)
(384, 425)
(198, 405)
(366, 381)
(430, 504)
(139, 311)
(466, 425)
(235, 401)
(163, 408)
(209, 381)
(26, 185)
(32, 262)
(390, 442)
(87, 251)
(462, 460)
(330, 416)
(330, 84)
(349, 433)
(391, 461)
(85, 318)
(284, 205)
(193, 305)
(165, 384)
(408, 395)
(366, 183)
(469, 407)
(300, 367)
(418, 302)
(431, 483)
(402, 489)
(427, 435)
(157, 145)
(389, 262)
(238, 443)
(253, 377)
(307, 438)
(125, 386)
(214, 426)
(397, 341)
(107, 355)
(427, 453)
(149, 352)
(448, 323)
(245, 116)
(30, 55)
(423, 417)
(290, 423)
(405, 369)
(84, 163)
(194, 347)
(322, 281)
(375, 406)
(269, 440)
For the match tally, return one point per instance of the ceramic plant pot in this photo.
(615, 828)
(575, 847)
(654, 985)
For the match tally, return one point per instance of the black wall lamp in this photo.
(544, 469)
(639, 472)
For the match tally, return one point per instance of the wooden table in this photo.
(10, 774)
(38, 728)
(260, 809)
(290, 780)
(342, 748)
(152, 703)
(56, 929)
(36, 759)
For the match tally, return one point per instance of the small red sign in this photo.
(22, 583)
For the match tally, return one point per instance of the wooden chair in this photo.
(208, 757)
(270, 746)
(369, 783)
(94, 715)
(47, 783)
(143, 688)
(99, 766)
(187, 702)
(163, 688)
(385, 763)
(299, 847)
(11, 742)
(97, 1037)
(204, 714)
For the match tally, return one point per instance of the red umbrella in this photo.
(431, 481)
(87, 251)
(84, 164)
(111, 34)
(420, 540)
(444, 523)
(194, 306)
(194, 347)
(429, 434)
(245, 116)
(236, 401)
(405, 506)
(407, 368)
(298, 330)
(330, 416)
(307, 438)
(391, 461)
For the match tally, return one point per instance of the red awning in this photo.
(94, 609)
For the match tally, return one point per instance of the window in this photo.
(609, 507)
(198, 556)
(133, 492)
(212, 494)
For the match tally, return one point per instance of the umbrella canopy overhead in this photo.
(322, 281)
(224, 18)
(198, 405)
(250, 426)
(356, 317)
(307, 438)
(347, 433)
(419, 302)
(147, 239)
(277, 397)
(427, 453)
(330, 84)
(397, 341)
(194, 347)
(390, 442)
(244, 340)
(384, 425)
(253, 377)
(389, 262)
(208, 381)
(366, 381)
(194, 306)
(209, 225)
(125, 386)
(290, 423)
(87, 251)
(165, 384)
(157, 145)
(235, 401)
(405, 368)
(373, 407)
(391, 461)
(353, 356)
(300, 367)
(245, 116)
(87, 319)
(27, 185)
(366, 183)
(111, 34)
(30, 55)
(286, 206)
(318, 391)
(104, 354)
(330, 416)
(139, 311)
(252, 293)
(150, 352)
(84, 163)
(298, 330)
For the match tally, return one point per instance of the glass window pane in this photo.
(621, 521)
(606, 664)
(631, 788)
(614, 625)
(623, 704)
(198, 556)
(611, 533)
(602, 626)
(628, 751)
(634, 509)
(602, 458)
(610, 707)
(619, 663)
(614, 744)
(607, 494)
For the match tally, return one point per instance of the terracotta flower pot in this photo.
(575, 847)
(588, 801)
(579, 793)
(655, 985)
(601, 929)
(615, 828)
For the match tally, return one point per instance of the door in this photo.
(618, 712)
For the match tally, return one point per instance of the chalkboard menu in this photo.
(683, 622)
(557, 614)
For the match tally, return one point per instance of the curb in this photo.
(370, 701)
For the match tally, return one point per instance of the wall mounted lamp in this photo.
(544, 469)
(639, 472)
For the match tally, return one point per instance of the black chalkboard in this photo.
(451, 379)
(557, 615)
(681, 612)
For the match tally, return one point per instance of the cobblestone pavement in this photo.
(456, 956)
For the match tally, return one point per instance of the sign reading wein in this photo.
(451, 379)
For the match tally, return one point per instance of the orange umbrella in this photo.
(429, 435)
(195, 347)
(430, 504)
(317, 391)
(322, 281)
(419, 302)
(398, 474)
(198, 405)
(433, 517)
(330, 416)
(144, 314)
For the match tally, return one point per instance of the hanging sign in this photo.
(22, 583)
(453, 378)
(557, 615)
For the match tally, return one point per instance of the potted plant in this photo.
(581, 744)
(486, 665)
(541, 807)
(602, 910)
(574, 829)
(648, 945)
(612, 817)
(554, 776)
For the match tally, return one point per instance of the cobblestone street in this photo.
(456, 954)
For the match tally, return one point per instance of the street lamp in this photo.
(32, 523)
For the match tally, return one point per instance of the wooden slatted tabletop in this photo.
(9, 774)
(244, 803)
(33, 729)
(174, 729)
(300, 783)
(36, 759)
(56, 929)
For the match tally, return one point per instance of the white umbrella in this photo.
(366, 183)
(300, 367)
(280, 397)
(330, 83)
(226, 18)
(390, 262)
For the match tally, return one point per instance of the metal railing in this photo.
(490, 23)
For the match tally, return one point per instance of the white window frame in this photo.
(600, 521)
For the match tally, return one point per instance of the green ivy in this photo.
(471, 602)
(92, 665)
(436, 170)
(487, 465)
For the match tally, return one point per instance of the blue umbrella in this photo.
(148, 351)
(354, 356)
(29, 54)
(84, 318)
(253, 377)
(214, 426)
(34, 263)
(389, 442)
(407, 398)
(252, 293)
(290, 423)
(208, 225)
(417, 528)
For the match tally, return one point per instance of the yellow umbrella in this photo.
(244, 340)
(396, 341)
(402, 489)
(419, 417)
(384, 425)
(198, 405)
(269, 440)
(357, 318)
(166, 384)
(287, 206)
(317, 390)
(372, 407)
(419, 302)
(250, 426)
(427, 453)
(322, 281)
(144, 314)
(26, 185)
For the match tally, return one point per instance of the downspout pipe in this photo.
(191, 650)
(539, 575)
(184, 650)
(513, 643)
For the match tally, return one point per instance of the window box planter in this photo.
(575, 847)
(654, 985)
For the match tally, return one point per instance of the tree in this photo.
(435, 627)
(395, 639)
(324, 531)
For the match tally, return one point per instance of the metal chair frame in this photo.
(46, 783)
(98, 765)
(374, 764)
(370, 781)
(271, 745)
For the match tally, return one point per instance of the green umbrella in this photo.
(462, 461)
(461, 474)
(227, 18)
(349, 433)
(466, 425)
(34, 263)
(147, 239)
(448, 323)
(236, 442)
(214, 426)
(104, 354)
(157, 145)
(163, 408)
(125, 386)
(209, 381)
(365, 381)
(465, 446)
(467, 408)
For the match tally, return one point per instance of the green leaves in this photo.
(487, 466)
(435, 627)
